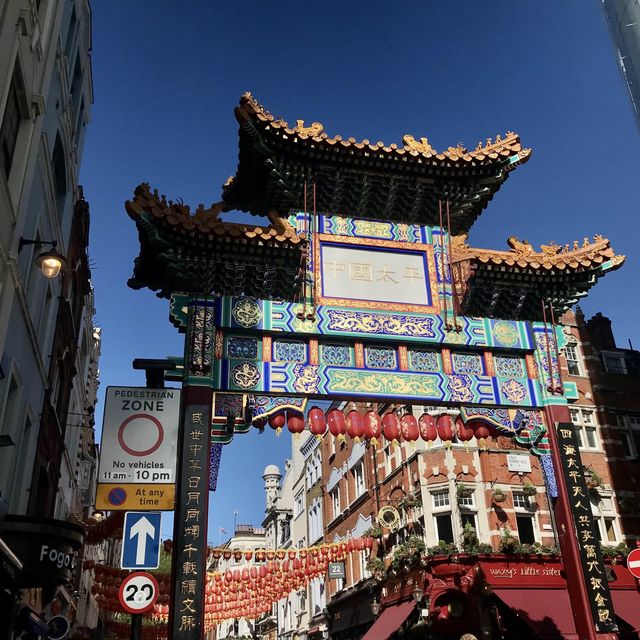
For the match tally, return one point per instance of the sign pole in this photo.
(188, 563)
(136, 626)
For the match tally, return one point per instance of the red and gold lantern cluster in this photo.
(394, 426)
(247, 590)
(99, 530)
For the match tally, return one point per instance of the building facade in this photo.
(623, 20)
(48, 345)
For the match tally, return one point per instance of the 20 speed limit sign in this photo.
(138, 592)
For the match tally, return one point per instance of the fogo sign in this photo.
(138, 449)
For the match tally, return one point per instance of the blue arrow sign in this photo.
(141, 540)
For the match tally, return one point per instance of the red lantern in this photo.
(337, 423)
(481, 431)
(355, 425)
(317, 422)
(409, 427)
(428, 430)
(444, 425)
(295, 423)
(391, 426)
(372, 426)
(276, 422)
(463, 431)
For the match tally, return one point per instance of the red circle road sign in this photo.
(138, 592)
(139, 452)
(633, 562)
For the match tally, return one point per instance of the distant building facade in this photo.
(49, 347)
(623, 18)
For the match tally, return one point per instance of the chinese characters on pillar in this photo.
(590, 555)
(189, 589)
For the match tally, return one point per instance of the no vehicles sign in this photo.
(139, 445)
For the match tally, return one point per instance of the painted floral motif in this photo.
(201, 340)
(514, 391)
(460, 388)
(289, 351)
(242, 348)
(247, 313)
(467, 363)
(306, 378)
(542, 360)
(214, 465)
(424, 360)
(337, 355)
(455, 337)
(508, 366)
(380, 357)
(391, 384)
(373, 229)
(505, 333)
(245, 375)
(380, 323)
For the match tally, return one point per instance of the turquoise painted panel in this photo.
(331, 381)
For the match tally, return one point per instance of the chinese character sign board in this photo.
(351, 273)
(191, 512)
(590, 555)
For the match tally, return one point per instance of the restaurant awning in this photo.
(389, 621)
(547, 612)
(626, 605)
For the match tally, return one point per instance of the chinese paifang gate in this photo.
(363, 290)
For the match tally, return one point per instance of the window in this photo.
(358, 477)
(441, 507)
(525, 524)
(614, 363)
(335, 502)
(584, 421)
(298, 505)
(59, 170)
(573, 359)
(630, 425)
(362, 560)
(466, 501)
(604, 518)
(10, 126)
(521, 501)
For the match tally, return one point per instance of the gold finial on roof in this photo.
(315, 129)
(521, 247)
(421, 146)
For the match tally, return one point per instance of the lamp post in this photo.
(51, 262)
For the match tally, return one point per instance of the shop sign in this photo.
(588, 542)
(47, 549)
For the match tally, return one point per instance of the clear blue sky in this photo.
(167, 76)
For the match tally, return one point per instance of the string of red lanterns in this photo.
(394, 427)
(246, 591)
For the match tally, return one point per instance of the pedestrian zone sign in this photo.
(141, 540)
(138, 449)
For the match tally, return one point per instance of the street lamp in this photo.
(375, 608)
(51, 262)
(417, 594)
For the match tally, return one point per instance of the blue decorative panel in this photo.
(467, 363)
(289, 351)
(424, 360)
(338, 355)
(366, 322)
(242, 348)
(380, 357)
(509, 366)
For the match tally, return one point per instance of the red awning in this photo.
(546, 611)
(389, 621)
(626, 604)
